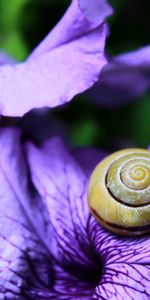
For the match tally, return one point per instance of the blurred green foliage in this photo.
(24, 23)
(11, 37)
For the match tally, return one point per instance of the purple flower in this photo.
(51, 247)
(5, 59)
(65, 64)
(123, 79)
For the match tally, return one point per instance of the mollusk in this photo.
(119, 192)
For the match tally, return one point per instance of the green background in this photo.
(23, 24)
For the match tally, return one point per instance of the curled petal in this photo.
(80, 19)
(124, 79)
(96, 11)
(66, 63)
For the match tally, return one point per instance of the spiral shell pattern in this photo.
(119, 192)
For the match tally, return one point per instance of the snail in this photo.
(119, 192)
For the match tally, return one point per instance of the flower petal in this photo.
(95, 11)
(126, 265)
(5, 59)
(62, 184)
(25, 262)
(69, 287)
(124, 79)
(80, 19)
(88, 158)
(43, 119)
(79, 238)
(128, 281)
(50, 77)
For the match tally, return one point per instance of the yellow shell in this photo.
(119, 192)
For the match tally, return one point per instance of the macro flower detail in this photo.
(51, 247)
(123, 79)
(24, 260)
(66, 63)
(83, 248)
(5, 59)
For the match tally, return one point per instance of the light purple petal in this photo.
(25, 262)
(96, 11)
(80, 18)
(124, 79)
(126, 265)
(5, 59)
(67, 63)
(121, 265)
(62, 185)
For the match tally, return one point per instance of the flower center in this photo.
(89, 274)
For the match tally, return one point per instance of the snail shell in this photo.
(119, 192)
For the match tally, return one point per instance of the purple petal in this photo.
(69, 287)
(80, 18)
(96, 11)
(50, 77)
(82, 245)
(127, 265)
(25, 264)
(5, 59)
(124, 79)
(88, 158)
(62, 185)
(43, 119)
(126, 281)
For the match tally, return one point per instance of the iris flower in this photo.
(124, 79)
(65, 64)
(50, 245)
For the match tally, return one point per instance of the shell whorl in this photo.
(119, 192)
